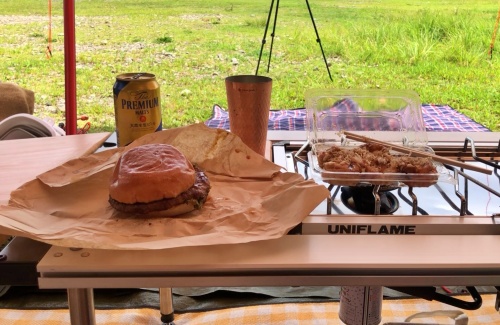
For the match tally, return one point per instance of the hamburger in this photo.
(157, 179)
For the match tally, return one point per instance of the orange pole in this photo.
(48, 52)
(494, 36)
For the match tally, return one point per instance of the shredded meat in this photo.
(372, 158)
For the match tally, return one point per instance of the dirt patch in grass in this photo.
(13, 20)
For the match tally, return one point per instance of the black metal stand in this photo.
(318, 40)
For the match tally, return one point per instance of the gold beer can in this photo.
(137, 106)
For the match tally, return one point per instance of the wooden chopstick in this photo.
(416, 153)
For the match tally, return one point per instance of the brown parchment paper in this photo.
(251, 199)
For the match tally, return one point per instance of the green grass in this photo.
(437, 48)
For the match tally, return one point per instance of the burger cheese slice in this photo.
(157, 179)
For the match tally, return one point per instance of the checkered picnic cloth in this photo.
(279, 314)
(445, 118)
(436, 118)
(291, 119)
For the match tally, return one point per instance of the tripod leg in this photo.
(272, 34)
(264, 38)
(318, 39)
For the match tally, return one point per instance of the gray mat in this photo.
(185, 299)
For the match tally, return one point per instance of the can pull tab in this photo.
(137, 75)
(458, 316)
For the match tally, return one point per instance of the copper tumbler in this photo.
(249, 102)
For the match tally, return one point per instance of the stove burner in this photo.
(361, 200)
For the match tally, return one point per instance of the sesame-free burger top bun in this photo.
(149, 173)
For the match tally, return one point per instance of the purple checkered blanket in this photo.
(436, 118)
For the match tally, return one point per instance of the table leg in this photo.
(166, 305)
(81, 306)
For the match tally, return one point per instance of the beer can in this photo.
(137, 106)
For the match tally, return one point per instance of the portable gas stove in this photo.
(467, 204)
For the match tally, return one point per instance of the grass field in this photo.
(437, 48)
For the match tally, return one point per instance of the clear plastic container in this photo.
(366, 112)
